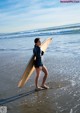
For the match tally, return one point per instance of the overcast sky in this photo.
(20, 15)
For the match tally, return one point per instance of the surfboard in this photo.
(30, 67)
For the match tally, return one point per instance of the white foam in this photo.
(71, 111)
(73, 83)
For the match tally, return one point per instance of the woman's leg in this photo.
(38, 70)
(44, 69)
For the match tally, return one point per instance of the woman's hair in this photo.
(36, 40)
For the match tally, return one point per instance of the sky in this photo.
(20, 15)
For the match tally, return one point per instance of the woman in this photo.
(39, 65)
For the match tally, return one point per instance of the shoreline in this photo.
(64, 85)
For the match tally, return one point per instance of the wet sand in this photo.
(63, 80)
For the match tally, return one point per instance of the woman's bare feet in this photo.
(38, 88)
(45, 86)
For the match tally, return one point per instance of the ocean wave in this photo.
(63, 30)
(16, 49)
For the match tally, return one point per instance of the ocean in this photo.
(62, 59)
(66, 39)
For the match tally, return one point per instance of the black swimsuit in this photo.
(38, 53)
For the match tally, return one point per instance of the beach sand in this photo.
(62, 97)
(63, 80)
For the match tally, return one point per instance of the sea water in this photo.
(62, 59)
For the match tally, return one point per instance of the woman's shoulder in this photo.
(36, 47)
